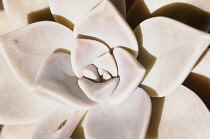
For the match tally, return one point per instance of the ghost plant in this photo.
(91, 65)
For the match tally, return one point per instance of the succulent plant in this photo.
(95, 71)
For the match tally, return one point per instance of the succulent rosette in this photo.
(90, 72)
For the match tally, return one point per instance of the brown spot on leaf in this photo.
(16, 41)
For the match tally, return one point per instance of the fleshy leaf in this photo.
(68, 12)
(128, 120)
(27, 48)
(5, 26)
(168, 51)
(131, 73)
(111, 28)
(180, 115)
(106, 62)
(17, 132)
(85, 53)
(57, 81)
(19, 105)
(98, 91)
(46, 128)
(23, 12)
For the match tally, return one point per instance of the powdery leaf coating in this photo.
(17, 132)
(52, 123)
(116, 32)
(106, 62)
(5, 27)
(26, 49)
(69, 12)
(98, 91)
(168, 51)
(85, 53)
(19, 105)
(179, 115)
(23, 12)
(128, 120)
(131, 73)
(57, 81)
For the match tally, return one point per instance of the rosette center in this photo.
(105, 76)
(104, 69)
(96, 69)
(99, 79)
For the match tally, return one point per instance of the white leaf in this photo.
(128, 120)
(57, 81)
(168, 51)
(26, 49)
(111, 28)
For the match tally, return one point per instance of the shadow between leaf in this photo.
(200, 85)
(79, 130)
(64, 21)
(129, 4)
(157, 108)
(187, 14)
(62, 50)
(40, 15)
(144, 57)
(183, 12)
(137, 14)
